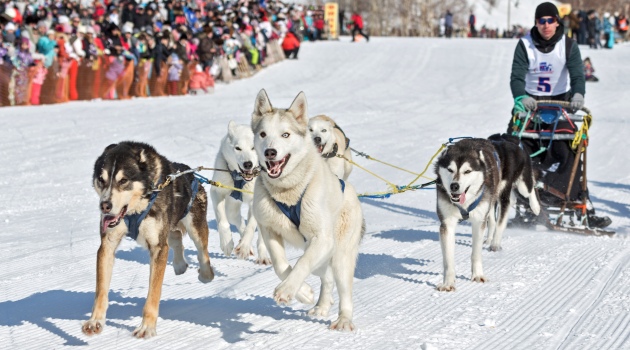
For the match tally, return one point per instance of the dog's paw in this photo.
(263, 260)
(206, 274)
(284, 293)
(144, 331)
(180, 267)
(227, 247)
(319, 311)
(91, 327)
(305, 295)
(244, 251)
(495, 248)
(343, 324)
(479, 278)
(445, 287)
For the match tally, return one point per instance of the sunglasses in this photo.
(542, 21)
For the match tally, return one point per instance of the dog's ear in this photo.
(109, 147)
(261, 106)
(299, 109)
(231, 129)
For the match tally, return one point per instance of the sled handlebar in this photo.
(563, 104)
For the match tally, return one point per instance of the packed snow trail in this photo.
(397, 99)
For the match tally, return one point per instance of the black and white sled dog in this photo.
(299, 201)
(125, 177)
(237, 155)
(475, 180)
(331, 141)
(517, 174)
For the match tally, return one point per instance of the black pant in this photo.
(356, 30)
(294, 52)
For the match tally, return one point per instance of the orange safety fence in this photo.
(88, 79)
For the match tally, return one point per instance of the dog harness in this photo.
(239, 183)
(333, 153)
(293, 211)
(133, 221)
(466, 213)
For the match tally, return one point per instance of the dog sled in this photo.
(557, 141)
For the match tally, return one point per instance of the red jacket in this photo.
(290, 42)
(357, 20)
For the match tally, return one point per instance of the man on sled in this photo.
(547, 66)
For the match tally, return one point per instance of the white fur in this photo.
(324, 128)
(331, 221)
(237, 147)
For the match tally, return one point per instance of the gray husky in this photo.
(475, 181)
(299, 201)
(125, 177)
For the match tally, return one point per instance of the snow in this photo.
(397, 99)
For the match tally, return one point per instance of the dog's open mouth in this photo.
(109, 221)
(459, 197)
(320, 147)
(274, 168)
(247, 175)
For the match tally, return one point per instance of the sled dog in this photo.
(299, 201)
(331, 141)
(474, 178)
(516, 175)
(125, 176)
(237, 155)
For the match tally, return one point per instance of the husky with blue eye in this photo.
(298, 201)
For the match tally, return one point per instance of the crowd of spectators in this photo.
(586, 27)
(58, 51)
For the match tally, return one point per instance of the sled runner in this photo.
(557, 141)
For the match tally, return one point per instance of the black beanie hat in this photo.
(547, 9)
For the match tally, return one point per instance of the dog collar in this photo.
(466, 212)
(344, 135)
(239, 183)
(332, 153)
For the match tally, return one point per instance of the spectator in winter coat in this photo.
(175, 67)
(46, 45)
(38, 78)
(448, 24)
(290, 45)
(160, 54)
(22, 62)
(207, 48)
(357, 26)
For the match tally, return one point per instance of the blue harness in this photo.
(293, 211)
(239, 183)
(133, 221)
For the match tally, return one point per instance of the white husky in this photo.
(331, 141)
(238, 156)
(299, 201)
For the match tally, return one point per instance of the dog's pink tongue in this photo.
(462, 198)
(275, 166)
(107, 220)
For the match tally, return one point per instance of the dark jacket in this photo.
(520, 63)
(204, 50)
